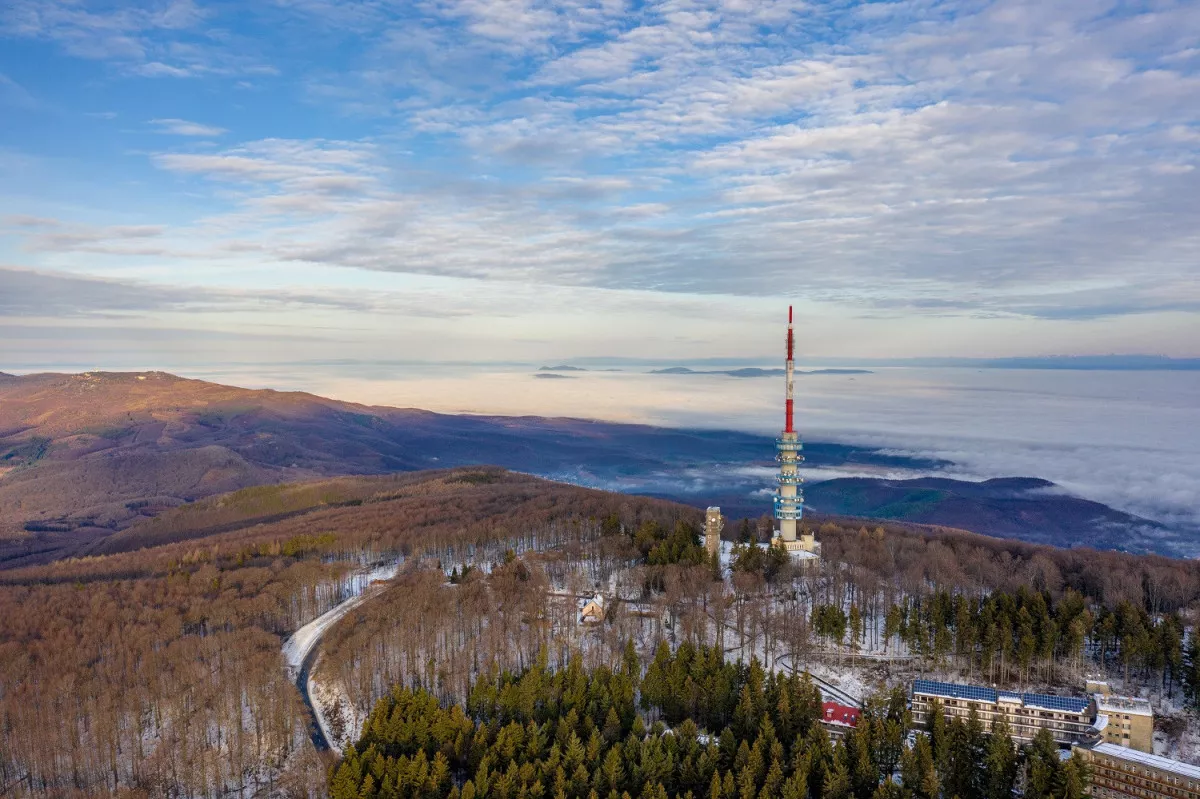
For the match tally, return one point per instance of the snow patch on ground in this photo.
(848, 680)
(328, 701)
(301, 643)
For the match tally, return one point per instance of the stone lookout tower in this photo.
(714, 522)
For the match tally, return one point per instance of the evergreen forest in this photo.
(690, 725)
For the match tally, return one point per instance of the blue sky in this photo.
(185, 182)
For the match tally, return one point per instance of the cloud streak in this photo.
(971, 159)
(182, 127)
(28, 293)
(954, 177)
(164, 38)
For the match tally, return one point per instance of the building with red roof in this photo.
(837, 718)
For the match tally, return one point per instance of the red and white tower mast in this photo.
(789, 498)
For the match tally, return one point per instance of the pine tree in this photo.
(958, 767)
(856, 630)
(889, 746)
(819, 753)
(976, 744)
(1000, 762)
(727, 748)
(796, 786)
(837, 781)
(1191, 673)
(918, 776)
(783, 714)
(613, 770)
(773, 781)
(864, 776)
(1042, 767)
(935, 725)
(347, 777)
(1075, 777)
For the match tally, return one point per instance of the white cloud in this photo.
(985, 159)
(161, 38)
(182, 127)
(974, 153)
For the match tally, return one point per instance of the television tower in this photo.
(789, 498)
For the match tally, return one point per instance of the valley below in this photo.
(90, 455)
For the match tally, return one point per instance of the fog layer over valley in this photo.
(99, 450)
(1126, 439)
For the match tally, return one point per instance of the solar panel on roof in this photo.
(975, 693)
(1066, 704)
(978, 693)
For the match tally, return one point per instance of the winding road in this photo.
(301, 649)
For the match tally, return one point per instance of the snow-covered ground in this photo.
(848, 682)
(303, 641)
(296, 648)
(840, 676)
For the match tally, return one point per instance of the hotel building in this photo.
(1070, 720)
(1119, 772)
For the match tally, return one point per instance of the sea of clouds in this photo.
(1130, 440)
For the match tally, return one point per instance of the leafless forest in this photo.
(158, 672)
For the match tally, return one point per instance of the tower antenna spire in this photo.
(789, 498)
(788, 404)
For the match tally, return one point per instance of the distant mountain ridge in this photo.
(754, 371)
(745, 371)
(84, 455)
(1132, 362)
(1025, 508)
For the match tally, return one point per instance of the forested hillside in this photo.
(691, 726)
(170, 655)
(1014, 507)
(83, 456)
(961, 604)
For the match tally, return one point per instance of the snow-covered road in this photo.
(303, 643)
(296, 648)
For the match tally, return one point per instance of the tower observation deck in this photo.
(789, 496)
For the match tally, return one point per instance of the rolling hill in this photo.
(82, 456)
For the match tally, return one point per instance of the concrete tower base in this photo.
(806, 547)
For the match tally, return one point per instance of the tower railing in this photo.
(789, 515)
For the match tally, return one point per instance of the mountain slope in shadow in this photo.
(1024, 508)
(84, 455)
